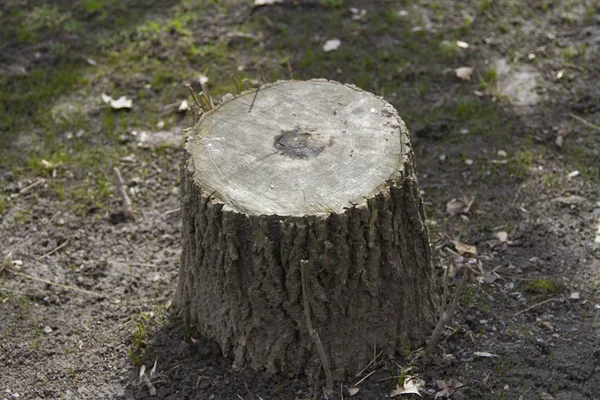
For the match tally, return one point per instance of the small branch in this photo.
(46, 281)
(445, 318)
(311, 331)
(57, 248)
(585, 122)
(205, 101)
(194, 95)
(34, 184)
(290, 70)
(206, 93)
(173, 211)
(237, 84)
(537, 305)
(124, 197)
(262, 75)
(364, 377)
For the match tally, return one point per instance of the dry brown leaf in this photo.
(462, 206)
(465, 249)
(353, 391)
(464, 73)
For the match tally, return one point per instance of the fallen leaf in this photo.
(120, 103)
(142, 371)
(462, 206)
(574, 296)
(464, 73)
(559, 74)
(469, 161)
(462, 45)
(546, 325)
(184, 106)
(353, 391)
(502, 236)
(258, 3)
(559, 141)
(485, 354)
(573, 174)
(358, 14)
(501, 153)
(332, 45)
(410, 386)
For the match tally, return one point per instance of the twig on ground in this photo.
(121, 188)
(368, 365)
(173, 211)
(54, 250)
(311, 331)
(48, 282)
(537, 305)
(516, 195)
(363, 379)
(585, 122)
(445, 318)
(34, 184)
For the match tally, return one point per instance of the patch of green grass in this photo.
(543, 286)
(91, 6)
(449, 49)
(331, 3)
(25, 100)
(484, 5)
(489, 79)
(520, 163)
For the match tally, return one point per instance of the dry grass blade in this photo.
(537, 305)
(54, 250)
(121, 188)
(48, 282)
(585, 122)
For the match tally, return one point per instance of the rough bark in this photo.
(370, 278)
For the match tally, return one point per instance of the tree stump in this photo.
(311, 178)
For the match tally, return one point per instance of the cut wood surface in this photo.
(312, 173)
(297, 148)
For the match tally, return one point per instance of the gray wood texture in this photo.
(297, 148)
(311, 173)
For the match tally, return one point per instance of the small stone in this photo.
(204, 384)
(47, 330)
(574, 296)
(468, 161)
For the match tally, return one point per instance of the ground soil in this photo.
(86, 295)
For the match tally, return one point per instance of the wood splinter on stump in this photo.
(313, 172)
